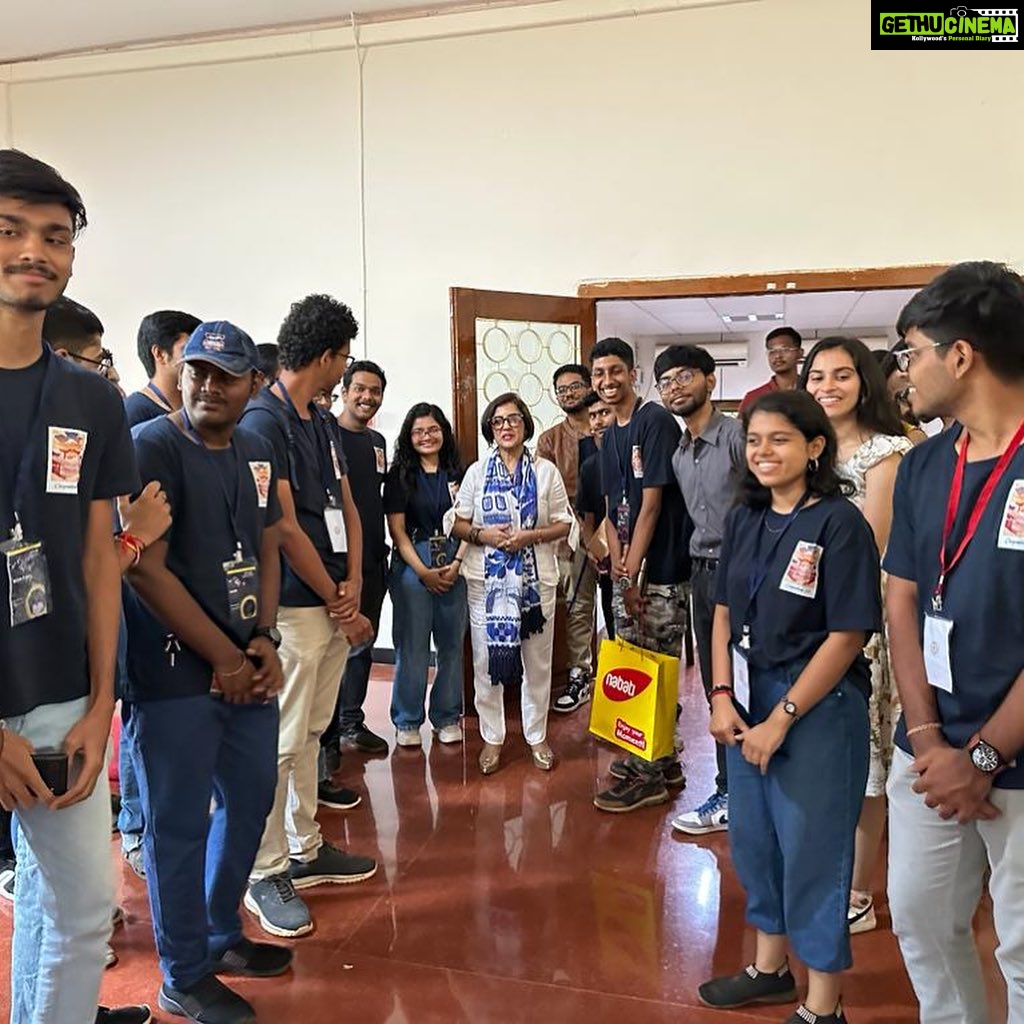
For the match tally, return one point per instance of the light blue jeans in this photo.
(65, 889)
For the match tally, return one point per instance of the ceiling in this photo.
(69, 26)
(846, 312)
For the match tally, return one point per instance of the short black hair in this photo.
(509, 398)
(886, 361)
(979, 302)
(269, 366)
(314, 325)
(30, 180)
(613, 347)
(162, 329)
(578, 368)
(364, 366)
(70, 325)
(784, 332)
(689, 357)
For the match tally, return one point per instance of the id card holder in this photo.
(740, 677)
(622, 521)
(438, 549)
(334, 520)
(28, 580)
(242, 579)
(938, 636)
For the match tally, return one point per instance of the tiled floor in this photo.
(511, 900)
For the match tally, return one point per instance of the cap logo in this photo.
(213, 342)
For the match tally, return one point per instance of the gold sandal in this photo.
(490, 758)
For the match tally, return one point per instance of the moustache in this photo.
(32, 268)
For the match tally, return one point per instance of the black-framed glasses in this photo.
(567, 390)
(513, 420)
(668, 381)
(103, 365)
(904, 355)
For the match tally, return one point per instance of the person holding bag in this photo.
(513, 511)
(798, 594)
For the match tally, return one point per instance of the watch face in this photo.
(790, 708)
(984, 757)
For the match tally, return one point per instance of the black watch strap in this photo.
(271, 633)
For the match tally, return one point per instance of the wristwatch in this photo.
(272, 633)
(791, 709)
(623, 583)
(985, 757)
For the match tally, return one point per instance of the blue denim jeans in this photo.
(791, 830)
(65, 890)
(193, 749)
(130, 821)
(418, 615)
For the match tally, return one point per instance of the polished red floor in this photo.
(511, 900)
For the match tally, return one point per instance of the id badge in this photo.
(740, 678)
(938, 634)
(334, 520)
(242, 578)
(28, 580)
(438, 548)
(622, 521)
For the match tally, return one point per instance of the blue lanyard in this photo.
(325, 462)
(759, 570)
(439, 486)
(159, 394)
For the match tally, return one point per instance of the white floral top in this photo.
(867, 456)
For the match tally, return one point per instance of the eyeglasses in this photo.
(104, 364)
(669, 381)
(782, 348)
(565, 390)
(426, 432)
(513, 420)
(904, 356)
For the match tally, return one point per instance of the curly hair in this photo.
(314, 325)
(406, 461)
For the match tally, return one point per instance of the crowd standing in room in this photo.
(210, 553)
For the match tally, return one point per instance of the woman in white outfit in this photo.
(513, 511)
(848, 383)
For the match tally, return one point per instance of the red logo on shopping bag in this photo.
(624, 683)
(630, 734)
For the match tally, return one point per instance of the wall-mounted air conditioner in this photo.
(724, 353)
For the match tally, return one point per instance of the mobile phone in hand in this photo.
(52, 766)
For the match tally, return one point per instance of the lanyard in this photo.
(324, 464)
(233, 507)
(759, 570)
(947, 562)
(18, 487)
(623, 459)
(159, 394)
(439, 482)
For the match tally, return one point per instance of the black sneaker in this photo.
(749, 986)
(642, 788)
(331, 866)
(254, 960)
(332, 760)
(805, 1016)
(209, 1001)
(7, 869)
(364, 741)
(338, 797)
(124, 1015)
(671, 769)
(576, 693)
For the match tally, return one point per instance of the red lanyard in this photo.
(947, 562)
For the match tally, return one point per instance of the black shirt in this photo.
(303, 450)
(639, 455)
(424, 507)
(218, 499)
(589, 497)
(140, 408)
(366, 455)
(818, 575)
(76, 450)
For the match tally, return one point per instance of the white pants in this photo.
(536, 692)
(313, 655)
(936, 872)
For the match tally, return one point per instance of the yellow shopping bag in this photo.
(634, 702)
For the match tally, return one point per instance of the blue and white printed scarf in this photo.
(511, 583)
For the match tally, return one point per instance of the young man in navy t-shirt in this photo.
(204, 671)
(955, 604)
(161, 340)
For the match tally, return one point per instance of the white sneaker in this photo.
(861, 918)
(409, 738)
(711, 816)
(450, 733)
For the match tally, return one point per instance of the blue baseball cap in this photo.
(223, 344)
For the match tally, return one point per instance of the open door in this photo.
(511, 341)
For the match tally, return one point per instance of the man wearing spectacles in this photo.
(785, 350)
(568, 445)
(76, 333)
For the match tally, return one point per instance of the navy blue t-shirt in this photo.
(303, 451)
(217, 498)
(425, 505)
(588, 488)
(639, 455)
(984, 594)
(140, 408)
(366, 455)
(66, 426)
(819, 575)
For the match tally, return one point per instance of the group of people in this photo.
(212, 552)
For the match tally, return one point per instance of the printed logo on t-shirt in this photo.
(638, 463)
(1011, 527)
(801, 575)
(334, 460)
(378, 454)
(261, 478)
(64, 458)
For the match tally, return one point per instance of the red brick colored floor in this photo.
(511, 900)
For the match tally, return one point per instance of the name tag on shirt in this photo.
(242, 579)
(378, 455)
(740, 678)
(28, 580)
(638, 462)
(938, 633)
(1011, 526)
(801, 575)
(64, 457)
(334, 520)
(261, 478)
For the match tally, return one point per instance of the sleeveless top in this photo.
(867, 456)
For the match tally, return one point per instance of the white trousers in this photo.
(536, 691)
(936, 872)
